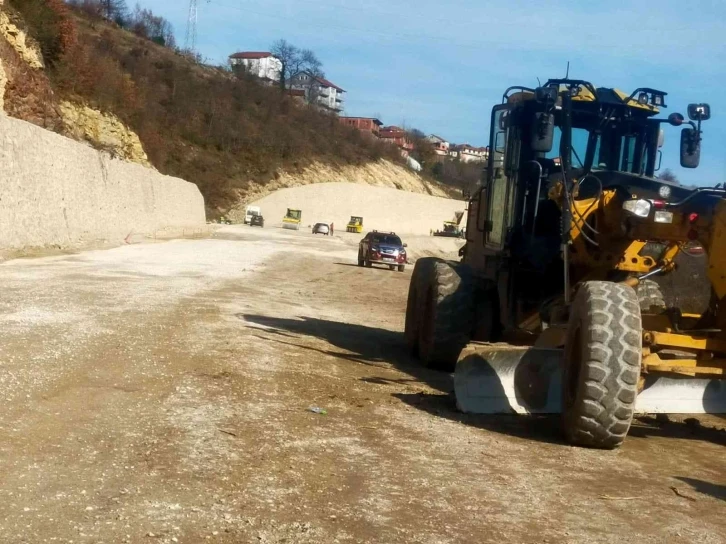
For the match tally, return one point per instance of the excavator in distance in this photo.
(553, 307)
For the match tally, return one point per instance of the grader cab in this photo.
(553, 307)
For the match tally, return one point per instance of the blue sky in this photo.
(440, 66)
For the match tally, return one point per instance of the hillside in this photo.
(382, 208)
(92, 80)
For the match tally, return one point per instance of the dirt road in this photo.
(161, 393)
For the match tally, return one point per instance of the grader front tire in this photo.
(602, 365)
(445, 294)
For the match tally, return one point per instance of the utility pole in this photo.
(190, 41)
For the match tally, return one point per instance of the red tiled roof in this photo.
(327, 83)
(296, 92)
(376, 121)
(251, 55)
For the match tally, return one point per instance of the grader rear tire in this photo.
(650, 296)
(444, 311)
(602, 365)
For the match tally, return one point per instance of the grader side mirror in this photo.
(690, 148)
(699, 112)
(543, 132)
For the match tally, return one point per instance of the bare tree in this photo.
(294, 61)
(310, 62)
(144, 23)
(114, 10)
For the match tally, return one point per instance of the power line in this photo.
(190, 41)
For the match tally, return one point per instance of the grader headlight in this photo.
(639, 207)
(663, 217)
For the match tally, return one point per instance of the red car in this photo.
(382, 248)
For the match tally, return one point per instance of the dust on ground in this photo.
(162, 393)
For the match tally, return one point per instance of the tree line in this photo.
(141, 21)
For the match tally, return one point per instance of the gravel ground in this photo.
(162, 393)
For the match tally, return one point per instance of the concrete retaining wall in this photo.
(55, 192)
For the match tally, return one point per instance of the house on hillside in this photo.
(297, 95)
(318, 91)
(468, 153)
(396, 135)
(261, 64)
(441, 146)
(368, 125)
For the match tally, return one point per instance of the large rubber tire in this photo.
(410, 329)
(440, 312)
(401, 267)
(650, 297)
(603, 353)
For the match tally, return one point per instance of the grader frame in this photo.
(555, 285)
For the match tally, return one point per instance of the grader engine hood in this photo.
(642, 186)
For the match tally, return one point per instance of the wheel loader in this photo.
(553, 307)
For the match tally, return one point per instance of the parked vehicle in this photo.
(250, 211)
(257, 221)
(321, 228)
(382, 248)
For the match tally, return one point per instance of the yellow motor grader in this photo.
(553, 307)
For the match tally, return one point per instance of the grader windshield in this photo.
(608, 147)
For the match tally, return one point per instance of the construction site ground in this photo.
(162, 393)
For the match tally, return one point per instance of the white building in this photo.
(467, 153)
(261, 64)
(318, 91)
(441, 146)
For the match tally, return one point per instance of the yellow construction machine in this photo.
(292, 219)
(451, 230)
(553, 307)
(355, 224)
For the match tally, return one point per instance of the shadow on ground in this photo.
(360, 344)
(714, 490)
(689, 429)
(378, 347)
(385, 267)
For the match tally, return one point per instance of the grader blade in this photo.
(505, 379)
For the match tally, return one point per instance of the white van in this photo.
(250, 211)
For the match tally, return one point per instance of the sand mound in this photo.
(382, 208)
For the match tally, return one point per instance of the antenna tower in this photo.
(190, 41)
